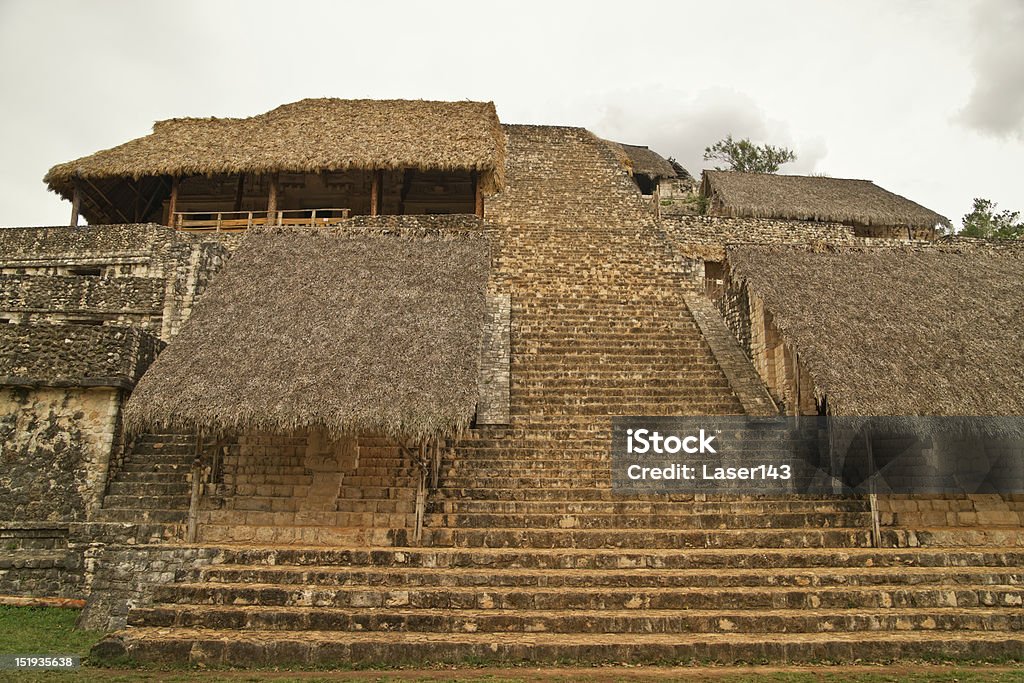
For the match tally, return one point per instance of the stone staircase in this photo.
(147, 498)
(282, 493)
(528, 555)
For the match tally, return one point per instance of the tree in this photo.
(743, 155)
(983, 221)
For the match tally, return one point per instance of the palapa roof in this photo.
(374, 329)
(930, 330)
(307, 136)
(813, 198)
(648, 162)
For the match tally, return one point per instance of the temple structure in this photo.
(335, 384)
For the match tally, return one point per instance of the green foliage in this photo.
(983, 221)
(743, 155)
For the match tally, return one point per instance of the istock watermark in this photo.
(818, 455)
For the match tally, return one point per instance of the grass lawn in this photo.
(43, 631)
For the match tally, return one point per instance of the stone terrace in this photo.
(528, 555)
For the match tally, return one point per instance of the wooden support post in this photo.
(478, 190)
(137, 213)
(172, 205)
(239, 191)
(272, 200)
(76, 203)
(876, 530)
(404, 192)
(376, 188)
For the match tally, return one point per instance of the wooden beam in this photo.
(172, 206)
(376, 188)
(76, 203)
(272, 200)
(238, 191)
(479, 194)
(109, 203)
(152, 199)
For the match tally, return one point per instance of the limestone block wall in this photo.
(192, 264)
(776, 361)
(495, 362)
(55, 448)
(112, 250)
(146, 275)
(126, 301)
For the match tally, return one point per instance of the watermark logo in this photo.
(818, 455)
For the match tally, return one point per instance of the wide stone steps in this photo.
(313, 535)
(647, 538)
(624, 621)
(289, 504)
(326, 648)
(592, 598)
(657, 507)
(297, 577)
(488, 520)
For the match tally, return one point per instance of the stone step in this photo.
(647, 538)
(141, 516)
(296, 576)
(143, 502)
(179, 468)
(352, 537)
(630, 507)
(733, 599)
(146, 488)
(625, 558)
(577, 621)
(529, 494)
(655, 521)
(323, 649)
(302, 518)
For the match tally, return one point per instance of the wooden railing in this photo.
(238, 221)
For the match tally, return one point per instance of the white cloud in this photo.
(996, 104)
(674, 124)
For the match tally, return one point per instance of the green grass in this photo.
(43, 631)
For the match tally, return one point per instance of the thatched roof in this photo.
(350, 330)
(812, 198)
(647, 161)
(307, 136)
(932, 330)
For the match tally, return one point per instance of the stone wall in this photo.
(777, 363)
(706, 236)
(73, 355)
(496, 357)
(117, 578)
(145, 275)
(127, 301)
(36, 561)
(55, 447)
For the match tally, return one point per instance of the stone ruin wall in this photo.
(82, 314)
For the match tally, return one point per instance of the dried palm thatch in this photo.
(347, 330)
(812, 198)
(898, 330)
(308, 136)
(646, 161)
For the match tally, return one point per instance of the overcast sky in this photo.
(925, 97)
